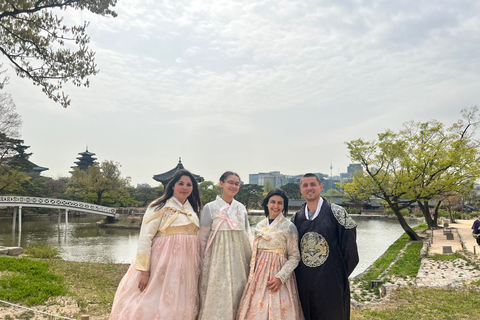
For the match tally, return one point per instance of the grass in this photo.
(409, 263)
(42, 251)
(28, 281)
(382, 263)
(424, 304)
(92, 285)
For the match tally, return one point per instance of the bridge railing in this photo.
(26, 201)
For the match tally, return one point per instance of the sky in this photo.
(254, 86)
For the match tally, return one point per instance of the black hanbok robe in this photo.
(328, 256)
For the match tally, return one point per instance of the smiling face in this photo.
(230, 186)
(183, 188)
(275, 206)
(310, 188)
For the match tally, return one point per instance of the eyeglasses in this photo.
(232, 183)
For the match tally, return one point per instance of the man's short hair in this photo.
(310, 175)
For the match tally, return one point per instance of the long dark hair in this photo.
(275, 192)
(193, 198)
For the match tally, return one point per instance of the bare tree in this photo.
(10, 120)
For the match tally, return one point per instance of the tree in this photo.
(145, 194)
(10, 120)
(417, 164)
(42, 48)
(356, 196)
(209, 191)
(251, 195)
(292, 190)
(267, 187)
(13, 164)
(100, 184)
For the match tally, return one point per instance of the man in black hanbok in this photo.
(327, 241)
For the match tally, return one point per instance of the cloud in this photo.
(257, 85)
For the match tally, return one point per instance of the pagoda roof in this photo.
(165, 177)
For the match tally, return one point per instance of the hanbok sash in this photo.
(262, 234)
(231, 223)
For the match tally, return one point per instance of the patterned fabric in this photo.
(343, 218)
(283, 235)
(277, 256)
(258, 303)
(329, 255)
(172, 290)
(224, 274)
(172, 214)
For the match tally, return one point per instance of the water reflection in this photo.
(83, 241)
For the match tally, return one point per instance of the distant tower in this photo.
(331, 174)
(85, 160)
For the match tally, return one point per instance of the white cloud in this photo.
(256, 85)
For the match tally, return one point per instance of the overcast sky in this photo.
(254, 86)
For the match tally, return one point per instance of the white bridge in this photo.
(62, 204)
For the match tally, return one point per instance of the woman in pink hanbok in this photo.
(163, 281)
(271, 290)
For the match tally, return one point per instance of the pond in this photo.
(83, 241)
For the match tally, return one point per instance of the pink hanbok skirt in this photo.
(258, 303)
(172, 290)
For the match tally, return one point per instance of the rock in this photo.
(15, 251)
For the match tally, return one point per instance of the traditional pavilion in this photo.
(85, 160)
(164, 178)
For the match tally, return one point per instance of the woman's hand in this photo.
(274, 284)
(144, 277)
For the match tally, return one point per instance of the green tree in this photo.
(39, 46)
(145, 194)
(353, 195)
(267, 187)
(13, 164)
(100, 184)
(209, 191)
(417, 164)
(251, 195)
(292, 190)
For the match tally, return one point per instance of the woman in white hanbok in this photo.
(271, 291)
(162, 283)
(225, 242)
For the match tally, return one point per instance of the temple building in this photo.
(85, 160)
(165, 177)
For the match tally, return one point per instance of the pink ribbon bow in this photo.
(231, 223)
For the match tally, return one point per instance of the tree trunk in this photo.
(426, 214)
(452, 216)
(409, 231)
(435, 215)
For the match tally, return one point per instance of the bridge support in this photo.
(19, 224)
(59, 218)
(66, 222)
(15, 209)
(20, 219)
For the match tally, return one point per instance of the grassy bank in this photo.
(91, 287)
(51, 281)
